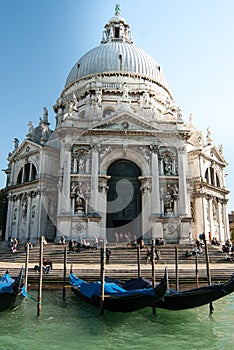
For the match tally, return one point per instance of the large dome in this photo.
(117, 57)
(117, 54)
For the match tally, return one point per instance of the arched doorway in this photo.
(123, 201)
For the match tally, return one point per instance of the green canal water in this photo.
(75, 325)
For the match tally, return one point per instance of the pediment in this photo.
(25, 149)
(214, 154)
(125, 121)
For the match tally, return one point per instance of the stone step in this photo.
(120, 255)
(89, 274)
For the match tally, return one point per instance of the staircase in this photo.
(122, 264)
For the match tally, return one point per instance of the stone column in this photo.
(19, 212)
(94, 181)
(65, 193)
(210, 218)
(199, 215)
(220, 221)
(39, 215)
(9, 217)
(225, 220)
(146, 194)
(103, 189)
(28, 216)
(155, 181)
(183, 198)
(12, 174)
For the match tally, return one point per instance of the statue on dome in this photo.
(125, 90)
(117, 9)
(99, 96)
(167, 106)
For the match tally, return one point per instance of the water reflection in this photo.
(73, 324)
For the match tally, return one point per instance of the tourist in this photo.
(13, 249)
(71, 246)
(199, 251)
(134, 241)
(62, 240)
(210, 237)
(11, 243)
(226, 248)
(108, 254)
(188, 253)
(148, 255)
(29, 244)
(195, 249)
(15, 243)
(157, 254)
(142, 244)
(215, 242)
(47, 265)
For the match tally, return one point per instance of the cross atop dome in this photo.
(117, 29)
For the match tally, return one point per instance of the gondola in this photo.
(116, 298)
(195, 297)
(11, 291)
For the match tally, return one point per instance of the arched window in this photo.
(19, 178)
(211, 177)
(27, 173)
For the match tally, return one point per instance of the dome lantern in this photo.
(117, 29)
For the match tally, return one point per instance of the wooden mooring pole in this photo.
(153, 270)
(177, 269)
(138, 261)
(197, 270)
(26, 267)
(208, 268)
(64, 272)
(39, 299)
(102, 273)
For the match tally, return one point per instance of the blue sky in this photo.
(191, 40)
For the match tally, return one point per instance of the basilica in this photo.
(121, 159)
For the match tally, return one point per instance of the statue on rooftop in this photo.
(45, 115)
(30, 127)
(16, 143)
(208, 136)
(117, 9)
